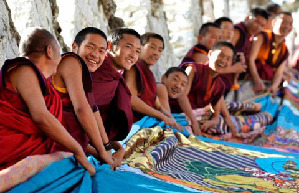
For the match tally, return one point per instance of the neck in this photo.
(279, 39)
(40, 64)
(114, 65)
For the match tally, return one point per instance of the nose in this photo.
(133, 54)
(95, 53)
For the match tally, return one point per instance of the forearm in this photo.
(53, 129)
(253, 71)
(140, 106)
(89, 125)
(278, 76)
(187, 109)
(101, 127)
(165, 111)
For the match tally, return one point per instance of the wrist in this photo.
(108, 146)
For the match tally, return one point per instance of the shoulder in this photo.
(161, 88)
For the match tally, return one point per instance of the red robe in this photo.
(19, 136)
(69, 118)
(204, 89)
(197, 48)
(113, 98)
(269, 59)
(227, 79)
(146, 84)
(243, 45)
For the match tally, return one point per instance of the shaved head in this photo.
(36, 40)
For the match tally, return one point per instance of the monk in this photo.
(273, 10)
(206, 87)
(244, 32)
(142, 83)
(269, 54)
(111, 94)
(30, 108)
(208, 35)
(229, 75)
(73, 82)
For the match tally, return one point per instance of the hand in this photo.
(207, 124)
(273, 90)
(239, 67)
(259, 86)
(196, 129)
(106, 156)
(242, 57)
(172, 122)
(118, 157)
(82, 159)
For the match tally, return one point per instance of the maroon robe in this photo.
(69, 118)
(197, 48)
(19, 136)
(113, 98)
(204, 89)
(228, 81)
(146, 86)
(244, 42)
(266, 63)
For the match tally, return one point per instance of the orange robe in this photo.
(270, 57)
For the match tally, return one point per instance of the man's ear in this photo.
(163, 79)
(75, 47)
(49, 51)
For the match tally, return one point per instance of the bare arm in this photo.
(139, 105)
(236, 37)
(187, 109)
(277, 78)
(163, 96)
(255, 49)
(71, 74)
(185, 104)
(226, 117)
(214, 120)
(27, 85)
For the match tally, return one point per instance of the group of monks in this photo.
(85, 101)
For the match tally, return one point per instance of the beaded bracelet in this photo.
(108, 146)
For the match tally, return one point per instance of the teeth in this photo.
(92, 61)
(174, 90)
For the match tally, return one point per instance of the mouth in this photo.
(154, 58)
(220, 65)
(174, 90)
(93, 62)
(130, 61)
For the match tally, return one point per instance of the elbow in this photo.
(40, 117)
(81, 110)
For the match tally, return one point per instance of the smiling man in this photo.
(142, 84)
(244, 31)
(73, 82)
(205, 85)
(269, 54)
(111, 94)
